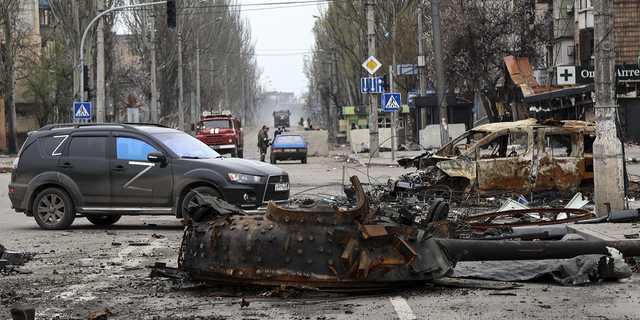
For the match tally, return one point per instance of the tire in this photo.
(431, 214)
(53, 209)
(273, 160)
(304, 160)
(103, 220)
(241, 152)
(192, 200)
(234, 152)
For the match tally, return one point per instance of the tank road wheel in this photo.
(192, 201)
(234, 152)
(103, 220)
(53, 209)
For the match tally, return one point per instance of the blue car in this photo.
(289, 147)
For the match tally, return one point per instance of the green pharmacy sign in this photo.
(571, 75)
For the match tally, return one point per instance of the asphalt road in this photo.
(59, 288)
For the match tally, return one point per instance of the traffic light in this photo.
(384, 82)
(85, 77)
(171, 14)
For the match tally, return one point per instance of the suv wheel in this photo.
(103, 220)
(192, 200)
(54, 209)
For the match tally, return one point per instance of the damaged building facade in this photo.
(563, 89)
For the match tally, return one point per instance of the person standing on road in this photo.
(276, 133)
(263, 142)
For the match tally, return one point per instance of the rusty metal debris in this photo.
(524, 157)
(545, 216)
(317, 247)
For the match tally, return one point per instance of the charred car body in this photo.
(525, 157)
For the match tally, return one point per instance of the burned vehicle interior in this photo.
(524, 157)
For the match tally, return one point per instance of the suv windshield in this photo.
(186, 146)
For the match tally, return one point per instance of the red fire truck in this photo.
(222, 132)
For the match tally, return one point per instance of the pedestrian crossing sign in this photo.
(82, 110)
(390, 101)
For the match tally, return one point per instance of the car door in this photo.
(136, 184)
(560, 160)
(84, 168)
(507, 163)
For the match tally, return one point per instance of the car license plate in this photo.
(289, 150)
(282, 186)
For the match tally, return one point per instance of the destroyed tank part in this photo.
(477, 250)
(572, 215)
(332, 251)
(209, 206)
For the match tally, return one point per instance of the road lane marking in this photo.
(402, 308)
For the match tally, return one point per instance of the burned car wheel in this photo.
(53, 209)
(103, 220)
(193, 200)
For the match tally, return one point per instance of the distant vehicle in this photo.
(289, 147)
(102, 171)
(221, 132)
(281, 118)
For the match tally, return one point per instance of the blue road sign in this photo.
(410, 96)
(82, 110)
(407, 69)
(371, 85)
(390, 101)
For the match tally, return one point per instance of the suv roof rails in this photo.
(110, 124)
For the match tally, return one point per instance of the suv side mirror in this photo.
(156, 156)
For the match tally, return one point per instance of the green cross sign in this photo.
(566, 75)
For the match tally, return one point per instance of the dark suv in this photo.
(103, 171)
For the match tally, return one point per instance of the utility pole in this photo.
(154, 90)
(226, 84)
(392, 87)
(242, 106)
(180, 106)
(373, 108)
(439, 62)
(333, 117)
(608, 165)
(100, 66)
(421, 116)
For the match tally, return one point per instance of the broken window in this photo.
(505, 145)
(560, 145)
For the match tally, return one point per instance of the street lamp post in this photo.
(198, 62)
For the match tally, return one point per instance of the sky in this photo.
(282, 32)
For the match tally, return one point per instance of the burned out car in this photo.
(525, 157)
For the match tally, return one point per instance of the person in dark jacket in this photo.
(263, 142)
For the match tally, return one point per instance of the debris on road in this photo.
(316, 247)
(99, 316)
(575, 271)
(20, 312)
